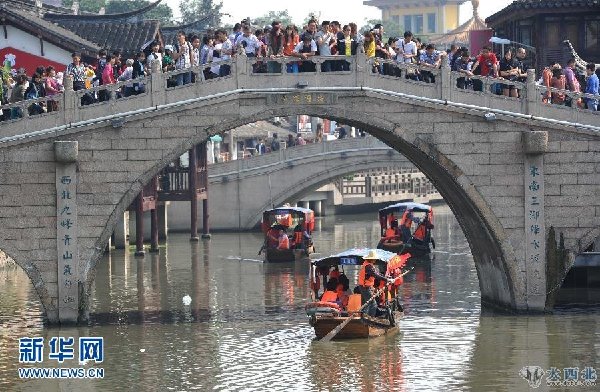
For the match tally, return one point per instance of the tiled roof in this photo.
(31, 22)
(134, 15)
(463, 32)
(114, 35)
(30, 5)
(527, 5)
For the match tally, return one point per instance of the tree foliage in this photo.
(193, 10)
(390, 28)
(86, 5)
(282, 16)
(162, 12)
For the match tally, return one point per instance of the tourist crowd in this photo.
(405, 57)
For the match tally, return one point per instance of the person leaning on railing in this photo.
(346, 45)
(591, 86)
(461, 66)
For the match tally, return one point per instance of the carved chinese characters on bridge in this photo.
(66, 239)
(302, 99)
(535, 246)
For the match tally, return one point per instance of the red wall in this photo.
(29, 61)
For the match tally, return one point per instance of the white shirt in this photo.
(325, 38)
(215, 68)
(252, 43)
(313, 46)
(152, 57)
(408, 48)
(226, 47)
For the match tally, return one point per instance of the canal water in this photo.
(246, 329)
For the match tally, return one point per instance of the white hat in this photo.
(169, 47)
(371, 256)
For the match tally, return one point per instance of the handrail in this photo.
(241, 78)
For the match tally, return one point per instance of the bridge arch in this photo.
(478, 166)
(495, 258)
(35, 277)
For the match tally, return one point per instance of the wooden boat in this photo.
(286, 255)
(325, 316)
(361, 326)
(394, 243)
(285, 218)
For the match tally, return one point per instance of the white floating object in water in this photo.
(187, 300)
(142, 350)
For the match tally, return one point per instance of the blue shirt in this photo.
(591, 87)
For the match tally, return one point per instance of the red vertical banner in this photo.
(478, 39)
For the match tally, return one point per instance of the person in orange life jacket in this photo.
(298, 241)
(343, 295)
(422, 229)
(393, 230)
(366, 281)
(283, 241)
(272, 238)
(406, 224)
(335, 273)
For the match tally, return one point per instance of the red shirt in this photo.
(486, 64)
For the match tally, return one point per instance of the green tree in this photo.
(162, 12)
(311, 15)
(282, 16)
(390, 28)
(193, 10)
(86, 5)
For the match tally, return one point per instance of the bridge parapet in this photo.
(119, 102)
(290, 155)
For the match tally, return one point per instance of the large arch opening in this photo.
(24, 300)
(494, 259)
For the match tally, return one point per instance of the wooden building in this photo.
(546, 24)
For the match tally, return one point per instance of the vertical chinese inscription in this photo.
(66, 241)
(535, 231)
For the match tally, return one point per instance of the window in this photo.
(418, 23)
(408, 23)
(431, 23)
(413, 23)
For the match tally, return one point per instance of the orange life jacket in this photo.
(420, 232)
(284, 242)
(406, 221)
(389, 232)
(362, 281)
(286, 220)
(329, 296)
(297, 237)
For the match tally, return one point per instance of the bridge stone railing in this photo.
(290, 155)
(156, 92)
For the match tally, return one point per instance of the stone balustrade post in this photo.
(532, 98)
(445, 85)
(158, 84)
(69, 105)
(241, 69)
(361, 67)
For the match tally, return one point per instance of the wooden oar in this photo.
(337, 329)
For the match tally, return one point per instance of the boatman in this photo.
(406, 224)
(272, 238)
(366, 280)
(283, 241)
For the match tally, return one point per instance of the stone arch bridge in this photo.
(521, 176)
(245, 188)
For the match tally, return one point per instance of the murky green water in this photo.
(246, 328)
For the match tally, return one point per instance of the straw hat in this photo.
(371, 256)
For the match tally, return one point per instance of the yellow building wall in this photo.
(450, 12)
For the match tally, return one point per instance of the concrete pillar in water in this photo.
(139, 225)
(304, 204)
(318, 207)
(161, 210)
(122, 231)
